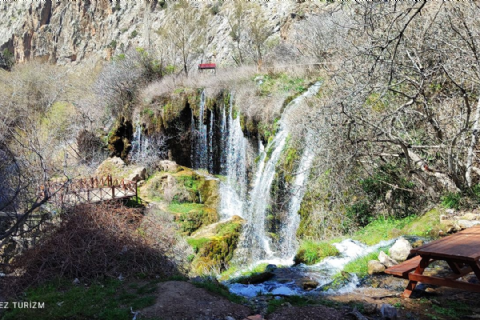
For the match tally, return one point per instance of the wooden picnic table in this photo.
(461, 251)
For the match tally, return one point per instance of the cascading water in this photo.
(140, 144)
(234, 190)
(254, 239)
(200, 152)
(321, 272)
(288, 232)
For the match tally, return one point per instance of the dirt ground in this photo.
(182, 300)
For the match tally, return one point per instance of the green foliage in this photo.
(360, 212)
(452, 200)
(111, 299)
(426, 225)
(360, 265)
(133, 34)
(281, 82)
(113, 44)
(215, 8)
(219, 289)
(311, 252)
(386, 181)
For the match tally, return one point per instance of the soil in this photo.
(182, 300)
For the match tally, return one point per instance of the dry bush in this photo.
(95, 241)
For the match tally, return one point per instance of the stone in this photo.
(388, 312)
(168, 166)
(470, 216)
(419, 243)
(76, 282)
(255, 317)
(464, 224)
(369, 308)
(138, 174)
(400, 250)
(229, 318)
(450, 211)
(309, 284)
(375, 266)
(268, 268)
(386, 260)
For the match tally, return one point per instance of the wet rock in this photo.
(388, 312)
(386, 260)
(375, 266)
(309, 284)
(400, 250)
(256, 278)
(138, 174)
(270, 268)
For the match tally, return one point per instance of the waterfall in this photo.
(234, 189)
(288, 242)
(140, 144)
(200, 138)
(254, 238)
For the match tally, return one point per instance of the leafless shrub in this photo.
(101, 240)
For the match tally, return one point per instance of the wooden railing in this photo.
(89, 190)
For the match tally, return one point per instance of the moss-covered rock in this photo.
(313, 252)
(214, 251)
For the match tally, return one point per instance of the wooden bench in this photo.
(403, 269)
(461, 251)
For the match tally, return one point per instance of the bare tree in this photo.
(186, 32)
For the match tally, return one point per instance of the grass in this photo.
(360, 265)
(220, 290)
(426, 225)
(311, 252)
(299, 301)
(185, 207)
(111, 299)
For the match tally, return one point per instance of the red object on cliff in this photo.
(206, 66)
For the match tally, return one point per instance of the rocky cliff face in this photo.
(71, 31)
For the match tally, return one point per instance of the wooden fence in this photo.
(89, 190)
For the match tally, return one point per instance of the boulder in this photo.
(400, 250)
(309, 284)
(388, 312)
(386, 260)
(168, 166)
(470, 216)
(464, 224)
(138, 174)
(375, 266)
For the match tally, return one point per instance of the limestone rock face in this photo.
(386, 260)
(67, 32)
(400, 250)
(375, 266)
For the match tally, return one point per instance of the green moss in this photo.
(215, 251)
(192, 216)
(311, 252)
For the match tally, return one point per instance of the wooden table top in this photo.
(464, 246)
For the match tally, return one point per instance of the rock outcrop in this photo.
(71, 31)
(400, 250)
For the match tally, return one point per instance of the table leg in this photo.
(419, 270)
(475, 269)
